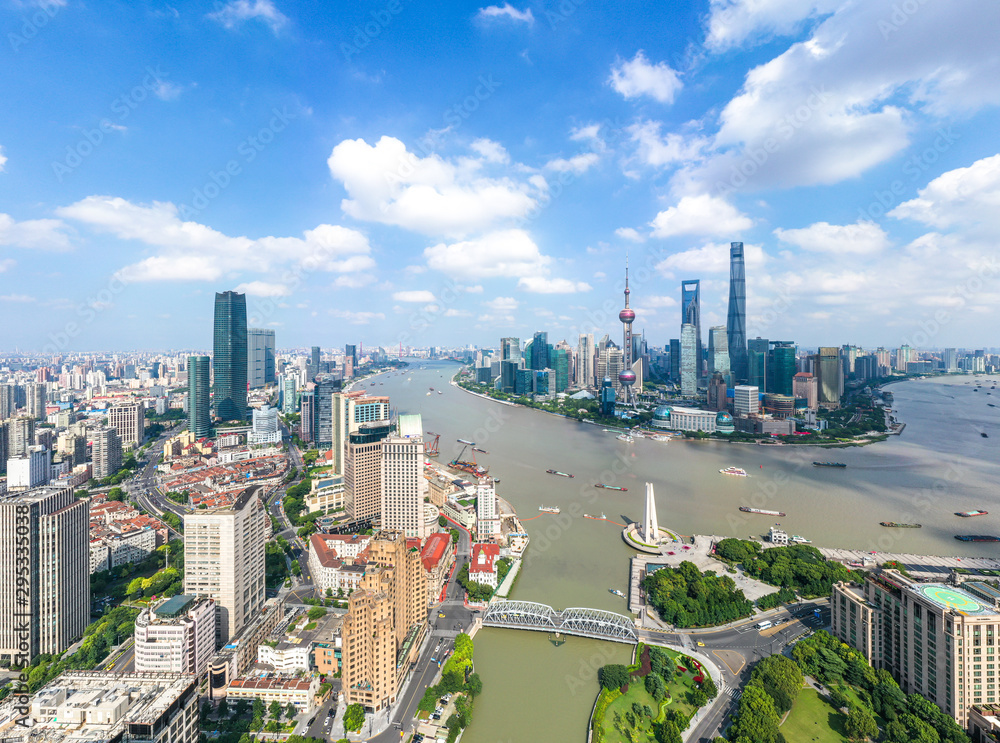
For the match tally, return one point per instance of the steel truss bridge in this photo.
(594, 623)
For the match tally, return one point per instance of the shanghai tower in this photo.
(736, 322)
(230, 356)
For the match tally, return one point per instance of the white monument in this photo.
(650, 526)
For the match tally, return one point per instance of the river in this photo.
(939, 465)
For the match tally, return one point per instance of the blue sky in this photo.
(388, 170)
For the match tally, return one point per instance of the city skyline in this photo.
(507, 191)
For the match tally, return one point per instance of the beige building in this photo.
(176, 636)
(363, 470)
(383, 628)
(326, 494)
(224, 559)
(938, 640)
(106, 452)
(351, 410)
(44, 572)
(338, 561)
(403, 486)
(282, 689)
(129, 420)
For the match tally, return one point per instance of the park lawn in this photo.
(812, 720)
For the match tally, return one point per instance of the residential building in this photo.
(199, 412)
(736, 319)
(337, 561)
(20, 435)
(483, 564)
(746, 400)
(224, 559)
(30, 470)
(176, 635)
(36, 400)
(106, 452)
(265, 427)
(487, 517)
(129, 420)
(904, 355)
(229, 359)
(260, 357)
(44, 572)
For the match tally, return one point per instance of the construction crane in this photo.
(433, 448)
(466, 466)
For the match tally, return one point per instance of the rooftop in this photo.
(952, 598)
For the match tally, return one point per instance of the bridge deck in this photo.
(594, 623)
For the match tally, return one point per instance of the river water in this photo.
(939, 465)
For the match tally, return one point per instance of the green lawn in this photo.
(813, 720)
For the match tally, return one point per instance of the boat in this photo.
(596, 518)
(761, 511)
(471, 467)
(638, 434)
(735, 471)
(431, 389)
(467, 443)
(976, 538)
(440, 392)
(829, 464)
(659, 437)
(966, 514)
(548, 509)
(561, 474)
(897, 525)
(799, 540)
(611, 487)
(616, 592)
(481, 451)
(428, 393)
(624, 437)
(983, 434)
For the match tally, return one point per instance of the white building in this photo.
(276, 688)
(483, 565)
(265, 426)
(285, 657)
(777, 536)
(128, 419)
(585, 361)
(106, 452)
(746, 400)
(327, 494)
(403, 486)
(176, 635)
(30, 470)
(487, 519)
(338, 561)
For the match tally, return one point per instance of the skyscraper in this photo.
(351, 352)
(363, 469)
(350, 411)
(757, 362)
(260, 357)
(199, 414)
(35, 397)
(691, 315)
(230, 360)
(106, 453)
(627, 377)
(830, 372)
(781, 367)
(718, 352)
(539, 358)
(689, 360)
(585, 360)
(312, 367)
(559, 357)
(402, 479)
(510, 348)
(129, 420)
(675, 360)
(736, 321)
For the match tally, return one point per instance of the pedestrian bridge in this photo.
(594, 623)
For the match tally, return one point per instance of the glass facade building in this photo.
(540, 351)
(230, 356)
(781, 367)
(260, 357)
(560, 364)
(718, 352)
(689, 360)
(757, 362)
(736, 319)
(691, 315)
(199, 415)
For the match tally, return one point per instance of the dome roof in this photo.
(723, 417)
(662, 413)
(626, 377)
(626, 315)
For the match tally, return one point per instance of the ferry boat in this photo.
(624, 437)
(761, 511)
(829, 464)
(427, 393)
(976, 538)
(799, 540)
(548, 509)
(611, 487)
(735, 471)
(897, 525)
(616, 592)
(966, 514)
(561, 474)
(440, 392)
(659, 437)
(481, 451)
(596, 518)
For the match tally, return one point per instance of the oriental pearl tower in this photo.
(626, 377)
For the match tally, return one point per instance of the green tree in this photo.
(274, 710)
(613, 676)
(354, 718)
(655, 686)
(223, 709)
(860, 724)
(290, 711)
(442, 522)
(667, 732)
(317, 612)
(756, 720)
(474, 686)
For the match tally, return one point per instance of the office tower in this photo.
(176, 635)
(689, 360)
(538, 358)
(230, 359)
(224, 559)
(950, 361)
(349, 411)
(307, 413)
(199, 413)
(560, 365)
(363, 470)
(351, 354)
(830, 374)
(805, 387)
(265, 429)
(45, 585)
(129, 420)
(508, 374)
(20, 435)
(260, 357)
(585, 360)
(510, 348)
(865, 367)
(289, 401)
(325, 389)
(627, 377)
(487, 518)
(736, 319)
(746, 400)
(607, 398)
(312, 366)
(718, 351)
(524, 382)
(780, 367)
(386, 616)
(848, 355)
(904, 355)
(757, 362)
(403, 484)
(691, 315)
(8, 401)
(30, 470)
(675, 360)
(609, 364)
(106, 453)
(717, 399)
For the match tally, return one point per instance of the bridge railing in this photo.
(573, 621)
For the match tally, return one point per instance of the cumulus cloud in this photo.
(578, 164)
(657, 150)
(502, 304)
(37, 234)
(3, 158)
(414, 296)
(505, 12)
(637, 76)
(507, 253)
(543, 285)
(490, 151)
(263, 289)
(709, 258)
(733, 22)
(387, 183)
(358, 318)
(700, 215)
(963, 196)
(863, 238)
(631, 234)
(235, 12)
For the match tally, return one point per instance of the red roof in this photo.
(325, 546)
(434, 549)
(484, 557)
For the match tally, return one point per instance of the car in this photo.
(701, 644)
(436, 716)
(441, 614)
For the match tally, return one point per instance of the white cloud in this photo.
(732, 22)
(457, 313)
(193, 251)
(506, 12)
(863, 238)
(386, 183)
(358, 318)
(963, 196)
(659, 301)
(6, 264)
(590, 132)
(3, 158)
(419, 295)
(235, 12)
(168, 91)
(700, 215)
(578, 164)
(491, 152)
(502, 304)
(544, 285)
(263, 289)
(710, 258)
(508, 253)
(657, 151)
(353, 281)
(631, 234)
(38, 234)
(475, 289)
(636, 77)
(18, 298)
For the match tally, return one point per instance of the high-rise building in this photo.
(307, 413)
(363, 469)
(585, 361)
(176, 635)
(746, 400)
(230, 356)
(609, 364)
(199, 411)
(382, 630)
(540, 350)
(717, 399)
(736, 319)
(904, 355)
(128, 418)
(45, 571)
(950, 360)
(848, 355)
(351, 354)
(560, 365)
(224, 559)
(403, 484)
(36, 399)
(313, 367)
(805, 387)
(883, 357)
(780, 367)
(718, 351)
(510, 348)
(289, 397)
(8, 401)
(350, 411)
(325, 389)
(265, 428)
(675, 360)
(487, 517)
(30, 470)
(260, 357)
(691, 315)
(106, 452)
(689, 360)
(607, 398)
(757, 362)
(20, 435)
(508, 375)
(830, 376)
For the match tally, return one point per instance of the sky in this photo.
(386, 171)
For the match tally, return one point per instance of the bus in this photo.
(763, 625)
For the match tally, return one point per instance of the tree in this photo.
(290, 711)
(354, 718)
(442, 522)
(667, 733)
(274, 709)
(655, 686)
(206, 710)
(134, 587)
(474, 686)
(613, 676)
(223, 709)
(860, 724)
(757, 720)
(317, 612)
